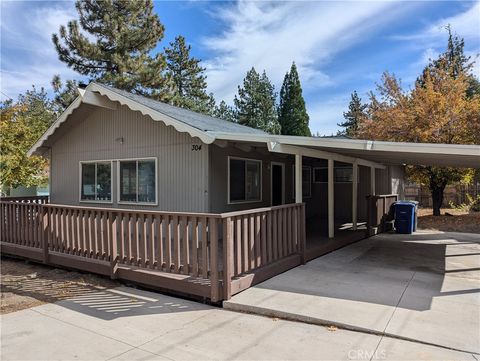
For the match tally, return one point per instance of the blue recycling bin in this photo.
(405, 213)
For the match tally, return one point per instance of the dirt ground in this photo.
(25, 285)
(451, 220)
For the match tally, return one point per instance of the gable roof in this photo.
(183, 120)
(209, 129)
(197, 120)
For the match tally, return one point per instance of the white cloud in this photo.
(28, 56)
(466, 24)
(270, 36)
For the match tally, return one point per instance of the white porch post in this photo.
(354, 195)
(331, 194)
(298, 178)
(372, 181)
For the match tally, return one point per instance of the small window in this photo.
(137, 181)
(306, 182)
(341, 174)
(344, 175)
(96, 181)
(244, 180)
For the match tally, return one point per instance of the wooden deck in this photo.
(212, 256)
(318, 243)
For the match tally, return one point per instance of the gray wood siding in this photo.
(182, 173)
(219, 176)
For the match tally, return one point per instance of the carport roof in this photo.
(454, 155)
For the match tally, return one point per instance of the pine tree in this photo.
(355, 114)
(189, 79)
(115, 44)
(225, 112)
(255, 105)
(457, 63)
(64, 95)
(292, 113)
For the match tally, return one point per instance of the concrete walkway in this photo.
(128, 324)
(423, 287)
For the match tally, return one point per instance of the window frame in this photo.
(136, 183)
(260, 162)
(334, 175)
(80, 163)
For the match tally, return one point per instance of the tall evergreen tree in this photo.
(292, 113)
(225, 112)
(457, 63)
(189, 79)
(255, 105)
(64, 94)
(356, 113)
(115, 44)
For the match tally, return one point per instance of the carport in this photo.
(422, 287)
(376, 169)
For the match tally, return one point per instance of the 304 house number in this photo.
(196, 147)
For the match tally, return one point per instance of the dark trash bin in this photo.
(405, 213)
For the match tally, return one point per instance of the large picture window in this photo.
(137, 181)
(96, 181)
(244, 180)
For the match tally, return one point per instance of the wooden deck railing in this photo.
(26, 199)
(257, 238)
(378, 208)
(204, 254)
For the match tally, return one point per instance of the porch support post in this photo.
(372, 181)
(298, 178)
(354, 195)
(331, 194)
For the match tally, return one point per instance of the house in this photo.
(164, 196)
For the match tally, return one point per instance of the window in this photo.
(342, 174)
(137, 181)
(96, 181)
(244, 180)
(306, 182)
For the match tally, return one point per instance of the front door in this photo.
(278, 186)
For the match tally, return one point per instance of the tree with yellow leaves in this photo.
(442, 108)
(22, 123)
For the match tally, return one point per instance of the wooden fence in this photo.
(207, 255)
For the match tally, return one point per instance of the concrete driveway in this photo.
(130, 324)
(423, 287)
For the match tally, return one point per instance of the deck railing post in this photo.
(113, 244)
(213, 235)
(227, 257)
(303, 236)
(45, 227)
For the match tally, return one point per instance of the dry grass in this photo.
(451, 220)
(25, 285)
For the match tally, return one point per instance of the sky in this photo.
(338, 46)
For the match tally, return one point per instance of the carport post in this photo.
(372, 181)
(298, 178)
(331, 197)
(354, 195)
